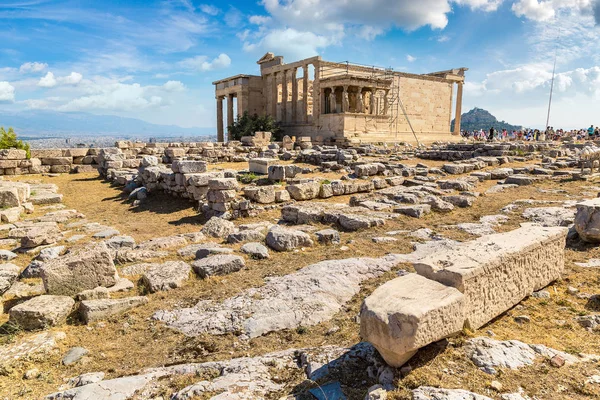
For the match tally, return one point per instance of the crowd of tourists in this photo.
(550, 133)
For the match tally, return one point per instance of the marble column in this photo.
(458, 115)
(229, 115)
(294, 95)
(274, 95)
(220, 131)
(284, 96)
(305, 94)
(360, 101)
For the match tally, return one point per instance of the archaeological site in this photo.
(302, 268)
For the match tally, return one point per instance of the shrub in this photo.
(247, 125)
(8, 140)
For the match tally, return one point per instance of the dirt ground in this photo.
(127, 343)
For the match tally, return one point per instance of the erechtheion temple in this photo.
(343, 102)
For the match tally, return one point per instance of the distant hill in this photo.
(478, 118)
(47, 124)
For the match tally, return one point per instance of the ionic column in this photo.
(345, 100)
(220, 132)
(274, 95)
(284, 96)
(360, 101)
(458, 109)
(305, 94)
(229, 115)
(373, 109)
(294, 95)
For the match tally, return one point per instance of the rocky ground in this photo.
(237, 309)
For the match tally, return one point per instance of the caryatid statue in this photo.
(360, 105)
(345, 100)
(373, 111)
(332, 102)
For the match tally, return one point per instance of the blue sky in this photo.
(155, 60)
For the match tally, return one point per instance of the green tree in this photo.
(8, 140)
(247, 125)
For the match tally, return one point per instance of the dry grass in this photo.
(127, 343)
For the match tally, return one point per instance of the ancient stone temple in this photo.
(343, 102)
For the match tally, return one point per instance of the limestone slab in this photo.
(410, 312)
(497, 271)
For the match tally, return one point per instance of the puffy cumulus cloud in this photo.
(485, 5)
(32, 67)
(290, 43)
(535, 80)
(174, 86)
(72, 79)
(201, 63)
(50, 81)
(318, 14)
(114, 96)
(47, 81)
(532, 9)
(544, 10)
(7, 92)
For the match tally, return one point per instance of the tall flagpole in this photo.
(552, 84)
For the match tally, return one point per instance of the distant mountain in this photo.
(47, 124)
(478, 118)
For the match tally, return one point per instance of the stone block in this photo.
(41, 312)
(261, 165)
(587, 220)
(223, 184)
(408, 313)
(12, 154)
(260, 194)
(496, 272)
(9, 197)
(221, 264)
(81, 269)
(93, 310)
(174, 152)
(304, 191)
(57, 161)
(189, 166)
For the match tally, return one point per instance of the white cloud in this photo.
(32, 67)
(259, 19)
(50, 81)
(443, 38)
(544, 10)
(47, 81)
(368, 32)
(174, 86)
(209, 9)
(290, 43)
(7, 92)
(410, 58)
(485, 5)
(72, 79)
(201, 63)
(114, 96)
(532, 9)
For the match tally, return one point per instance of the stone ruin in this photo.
(456, 286)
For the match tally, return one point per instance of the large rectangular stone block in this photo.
(261, 165)
(408, 313)
(496, 272)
